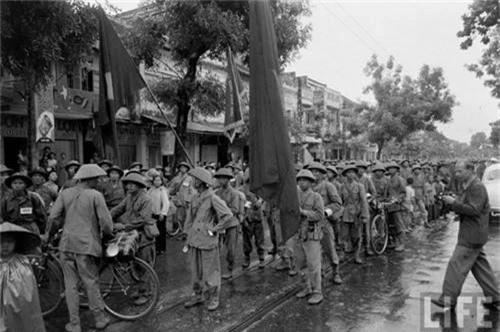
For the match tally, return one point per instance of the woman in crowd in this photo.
(161, 205)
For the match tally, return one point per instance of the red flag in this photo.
(272, 173)
(235, 102)
(119, 79)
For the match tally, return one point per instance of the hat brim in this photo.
(119, 171)
(140, 184)
(306, 177)
(45, 175)
(27, 180)
(25, 239)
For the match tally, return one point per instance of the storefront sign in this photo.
(75, 101)
(44, 115)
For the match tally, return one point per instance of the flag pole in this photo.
(166, 119)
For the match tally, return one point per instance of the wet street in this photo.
(388, 293)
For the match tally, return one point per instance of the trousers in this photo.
(352, 236)
(81, 267)
(328, 245)
(254, 229)
(308, 253)
(230, 240)
(205, 271)
(463, 260)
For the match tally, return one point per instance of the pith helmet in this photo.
(185, 164)
(317, 166)
(105, 162)
(72, 163)
(224, 172)
(416, 166)
(298, 166)
(392, 164)
(40, 171)
(136, 164)
(5, 169)
(15, 176)
(349, 168)
(89, 171)
(361, 163)
(136, 178)
(25, 239)
(115, 168)
(306, 174)
(332, 169)
(201, 174)
(378, 167)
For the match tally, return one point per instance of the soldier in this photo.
(85, 219)
(105, 164)
(380, 182)
(333, 210)
(355, 211)
(233, 200)
(238, 179)
(252, 224)
(367, 183)
(207, 216)
(307, 246)
(39, 177)
(136, 212)
(136, 166)
(397, 193)
(71, 168)
(113, 189)
(332, 175)
(22, 207)
(181, 188)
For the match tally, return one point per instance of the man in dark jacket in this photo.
(472, 207)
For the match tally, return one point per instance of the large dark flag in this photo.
(235, 99)
(119, 82)
(272, 173)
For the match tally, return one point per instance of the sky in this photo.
(346, 34)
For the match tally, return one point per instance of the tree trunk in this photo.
(185, 92)
(380, 148)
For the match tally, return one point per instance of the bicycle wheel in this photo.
(130, 288)
(379, 234)
(50, 281)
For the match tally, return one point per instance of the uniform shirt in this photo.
(331, 198)
(48, 196)
(337, 184)
(313, 213)
(113, 193)
(405, 173)
(366, 181)
(232, 198)
(381, 187)
(419, 186)
(85, 218)
(135, 211)
(159, 198)
(397, 188)
(25, 209)
(206, 212)
(253, 204)
(182, 188)
(355, 204)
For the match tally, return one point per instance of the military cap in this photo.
(135, 178)
(115, 168)
(224, 173)
(20, 176)
(202, 174)
(25, 239)
(318, 166)
(72, 163)
(105, 162)
(306, 174)
(348, 168)
(39, 171)
(89, 171)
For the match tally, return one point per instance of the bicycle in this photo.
(49, 277)
(382, 231)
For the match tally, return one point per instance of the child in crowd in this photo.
(408, 204)
(19, 303)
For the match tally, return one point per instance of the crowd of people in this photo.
(213, 206)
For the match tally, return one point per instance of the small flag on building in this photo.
(235, 98)
(272, 172)
(120, 82)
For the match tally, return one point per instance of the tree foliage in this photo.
(37, 34)
(481, 22)
(478, 140)
(196, 30)
(495, 134)
(404, 104)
